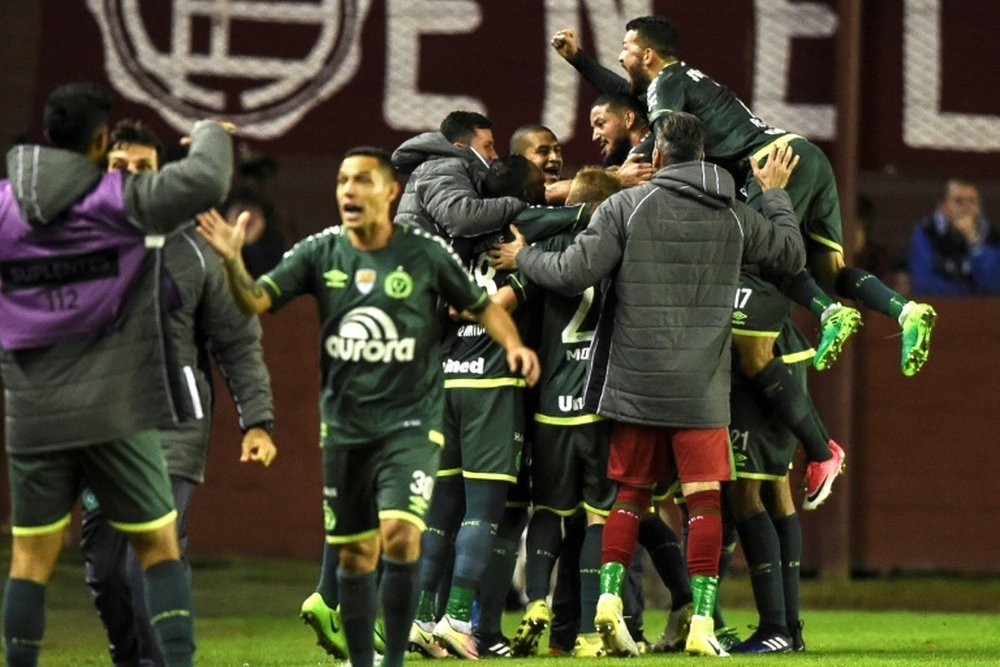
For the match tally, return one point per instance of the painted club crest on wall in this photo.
(262, 65)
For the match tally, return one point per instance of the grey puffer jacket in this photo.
(671, 251)
(208, 319)
(112, 384)
(443, 195)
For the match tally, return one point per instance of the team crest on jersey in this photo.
(191, 60)
(399, 284)
(364, 280)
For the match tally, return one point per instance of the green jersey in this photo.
(563, 328)
(380, 339)
(732, 132)
(473, 359)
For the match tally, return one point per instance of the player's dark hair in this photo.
(461, 125)
(657, 33)
(379, 154)
(519, 140)
(511, 176)
(680, 137)
(130, 131)
(620, 103)
(75, 113)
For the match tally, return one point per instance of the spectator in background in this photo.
(955, 251)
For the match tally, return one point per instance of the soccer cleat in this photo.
(678, 624)
(837, 325)
(534, 622)
(325, 622)
(727, 637)
(820, 476)
(795, 632)
(456, 637)
(917, 322)
(701, 638)
(589, 645)
(422, 640)
(492, 645)
(764, 641)
(611, 625)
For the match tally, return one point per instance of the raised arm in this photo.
(162, 201)
(605, 80)
(227, 241)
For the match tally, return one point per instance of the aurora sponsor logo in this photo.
(368, 334)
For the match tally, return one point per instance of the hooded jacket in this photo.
(671, 252)
(66, 233)
(442, 195)
(209, 319)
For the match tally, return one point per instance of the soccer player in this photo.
(650, 57)
(206, 318)
(382, 397)
(83, 356)
(541, 147)
(760, 502)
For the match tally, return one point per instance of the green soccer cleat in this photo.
(609, 622)
(917, 322)
(325, 622)
(378, 636)
(838, 325)
(534, 622)
(727, 637)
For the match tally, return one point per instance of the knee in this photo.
(34, 557)
(744, 499)
(401, 541)
(154, 546)
(359, 557)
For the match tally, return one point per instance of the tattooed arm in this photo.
(227, 241)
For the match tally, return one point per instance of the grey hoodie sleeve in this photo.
(773, 240)
(447, 195)
(235, 342)
(594, 254)
(162, 201)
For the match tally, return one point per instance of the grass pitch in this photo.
(247, 616)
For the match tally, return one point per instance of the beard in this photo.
(619, 151)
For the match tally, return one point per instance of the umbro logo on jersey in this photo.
(335, 278)
(739, 317)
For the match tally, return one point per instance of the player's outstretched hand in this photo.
(565, 43)
(503, 256)
(258, 447)
(635, 171)
(524, 360)
(225, 239)
(781, 161)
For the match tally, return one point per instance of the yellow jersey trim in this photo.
(796, 357)
(146, 526)
(827, 242)
(567, 421)
(496, 476)
(356, 537)
(473, 383)
(402, 515)
(783, 140)
(33, 531)
(270, 283)
(437, 437)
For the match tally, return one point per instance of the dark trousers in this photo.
(115, 579)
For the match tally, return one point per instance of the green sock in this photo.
(168, 598)
(863, 287)
(704, 589)
(23, 621)
(803, 290)
(460, 603)
(612, 577)
(427, 606)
